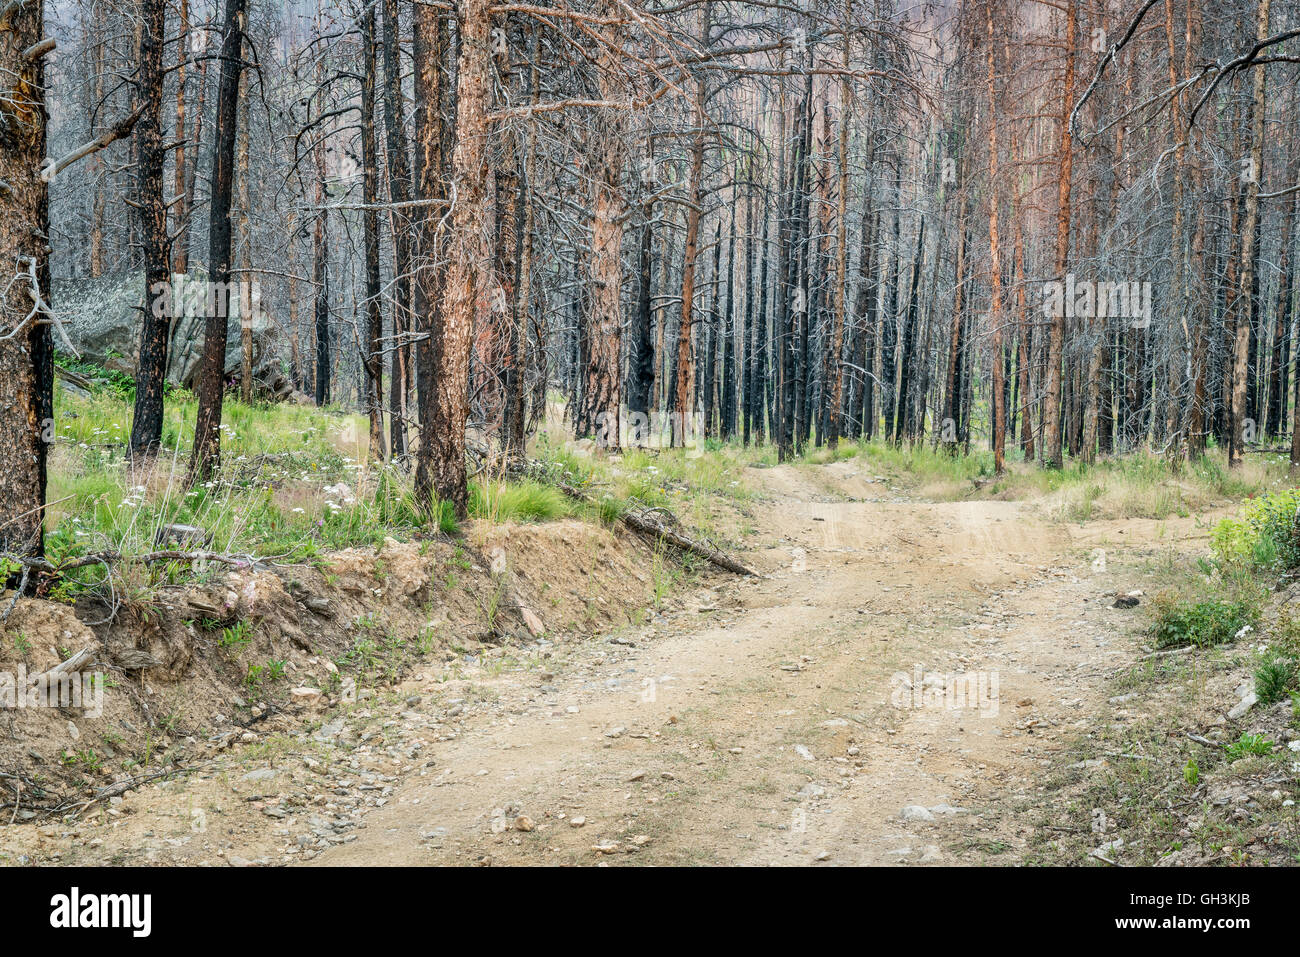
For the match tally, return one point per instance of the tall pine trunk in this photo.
(374, 355)
(444, 433)
(399, 193)
(206, 457)
(155, 324)
(1052, 437)
(26, 351)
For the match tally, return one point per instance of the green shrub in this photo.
(1265, 536)
(1277, 675)
(1203, 623)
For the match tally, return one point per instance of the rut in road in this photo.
(766, 723)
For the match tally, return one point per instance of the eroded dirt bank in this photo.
(757, 721)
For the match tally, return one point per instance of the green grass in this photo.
(278, 490)
(525, 500)
(296, 483)
(1266, 536)
(1248, 744)
(1134, 485)
(1204, 623)
(1275, 679)
(689, 482)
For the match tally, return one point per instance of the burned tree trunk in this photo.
(26, 352)
(600, 397)
(155, 324)
(841, 292)
(685, 386)
(180, 252)
(444, 433)
(1052, 454)
(374, 335)
(641, 353)
(515, 261)
(206, 457)
(429, 47)
(320, 268)
(1244, 311)
(399, 193)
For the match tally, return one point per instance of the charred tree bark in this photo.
(685, 380)
(26, 351)
(864, 313)
(759, 343)
(514, 420)
(399, 192)
(155, 324)
(999, 417)
(244, 252)
(320, 269)
(841, 292)
(429, 49)
(206, 457)
(601, 395)
(1245, 293)
(374, 334)
(444, 433)
(180, 248)
(1052, 438)
(905, 424)
(640, 350)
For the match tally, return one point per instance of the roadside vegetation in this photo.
(296, 481)
(1197, 759)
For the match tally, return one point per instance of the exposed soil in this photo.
(761, 720)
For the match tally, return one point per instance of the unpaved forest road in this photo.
(762, 731)
(752, 724)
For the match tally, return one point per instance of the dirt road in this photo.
(763, 725)
(805, 715)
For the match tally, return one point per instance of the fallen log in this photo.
(643, 523)
(76, 378)
(73, 663)
(651, 529)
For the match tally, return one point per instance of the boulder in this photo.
(102, 318)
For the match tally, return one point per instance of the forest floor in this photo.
(765, 720)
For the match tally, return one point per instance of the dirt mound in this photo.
(188, 670)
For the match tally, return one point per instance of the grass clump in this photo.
(1275, 679)
(1248, 744)
(1277, 676)
(295, 482)
(1137, 484)
(525, 500)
